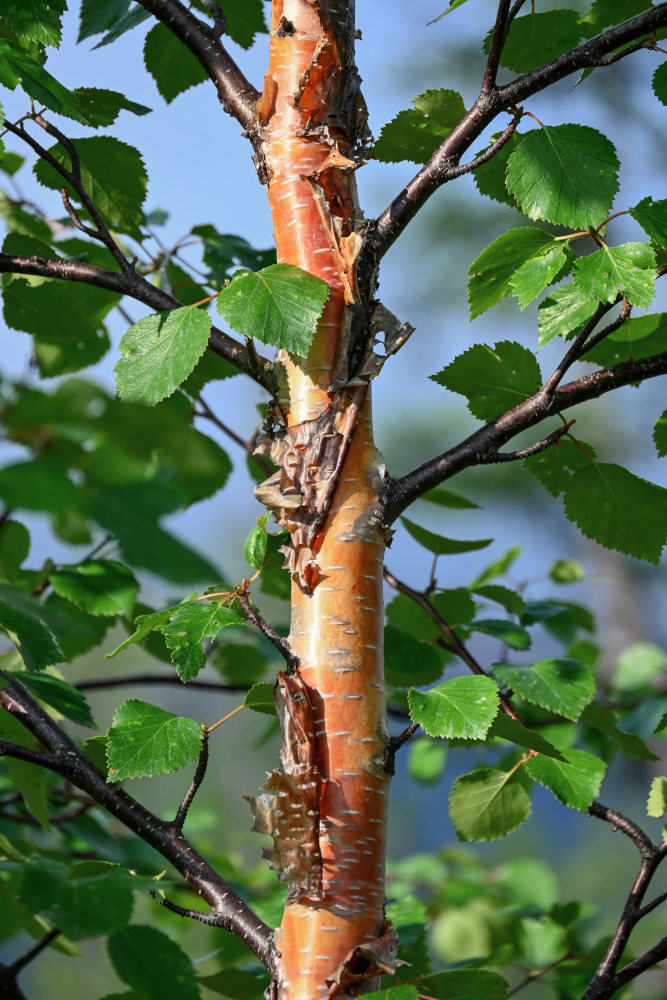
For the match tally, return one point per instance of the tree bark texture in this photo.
(327, 808)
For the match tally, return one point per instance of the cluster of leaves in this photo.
(563, 732)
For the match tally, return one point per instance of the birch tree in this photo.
(308, 325)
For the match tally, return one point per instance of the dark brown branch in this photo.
(384, 231)
(532, 449)
(394, 744)
(36, 950)
(281, 644)
(195, 784)
(400, 493)
(204, 918)
(8, 749)
(607, 980)
(496, 46)
(577, 348)
(67, 759)
(454, 641)
(101, 684)
(207, 414)
(237, 95)
(135, 286)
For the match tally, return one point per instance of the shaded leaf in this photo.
(604, 721)
(83, 901)
(507, 728)
(560, 685)
(628, 270)
(513, 635)
(152, 964)
(660, 434)
(439, 545)
(159, 352)
(652, 217)
(445, 498)
(536, 39)
(96, 16)
(416, 133)
(637, 338)
(126, 22)
(463, 984)
(490, 176)
(102, 107)
(173, 67)
(575, 781)
(14, 548)
(30, 781)
(538, 272)
(618, 509)
(498, 567)
(459, 708)
(660, 83)
(567, 174)
(493, 379)
(487, 803)
(98, 586)
(408, 660)
(426, 762)
(46, 311)
(59, 695)
(279, 305)
(638, 665)
(509, 599)
(244, 20)
(32, 638)
(260, 699)
(144, 740)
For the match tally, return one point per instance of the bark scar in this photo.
(289, 807)
(367, 960)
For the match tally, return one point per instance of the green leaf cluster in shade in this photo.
(416, 133)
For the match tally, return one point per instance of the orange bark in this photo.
(333, 940)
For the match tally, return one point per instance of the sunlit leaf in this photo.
(487, 803)
(145, 740)
(460, 708)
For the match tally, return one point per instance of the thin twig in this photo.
(528, 452)
(281, 644)
(576, 349)
(43, 943)
(394, 744)
(195, 784)
(496, 46)
(537, 974)
(103, 683)
(207, 413)
(211, 919)
(456, 644)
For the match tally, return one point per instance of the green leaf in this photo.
(628, 269)
(409, 916)
(405, 992)
(130, 19)
(566, 174)
(83, 901)
(152, 964)
(416, 133)
(30, 781)
(18, 68)
(509, 599)
(408, 661)
(463, 984)
(490, 176)
(537, 39)
(244, 19)
(187, 628)
(487, 803)
(38, 485)
(102, 107)
(498, 567)
(439, 545)
(112, 173)
(492, 271)
(59, 695)
(145, 624)
(98, 586)
(460, 708)
(35, 20)
(605, 13)
(145, 740)
(33, 640)
(538, 272)
(159, 352)
(566, 571)
(493, 379)
(513, 635)
(637, 338)
(260, 699)
(445, 498)
(14, 548)
(10, 162)
(652, 217)
(562, 686)
(575, 781)
(142, 541)
(657, 797)
(279, 305)
(506, 728)
(254, 547)
(173, 67)
(455, 606)
(453, 4)
(209, 368)
(554, 467)
(426, 761)
(638, 665)
(660, 83)
(45, 311)
(660, 434)
(225, 253)
(604, 721)
(96, 16)
(618, 509)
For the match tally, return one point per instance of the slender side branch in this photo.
(102, 683)
(67, 759)
(486, 441)
(442, 165)
(281, 644)
(195, 784)
(237, 95)
(459, 648)
(532, 449)
(135, 286)
(496, 46)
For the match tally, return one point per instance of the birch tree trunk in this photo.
(333, 938)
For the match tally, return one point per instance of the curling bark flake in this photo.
(327, 808)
